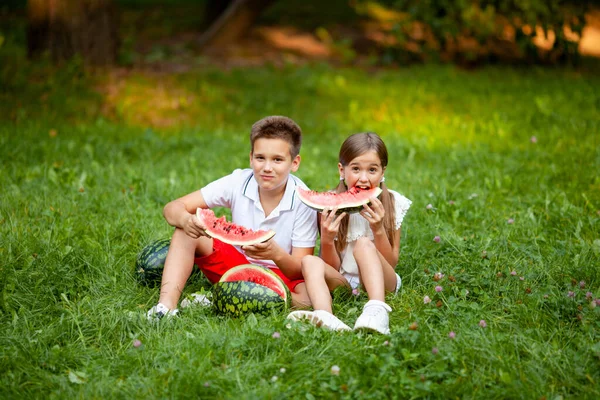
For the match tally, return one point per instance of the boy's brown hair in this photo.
(278, 127)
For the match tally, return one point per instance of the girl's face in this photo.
(365, 171)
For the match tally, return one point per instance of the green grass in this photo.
(89, 161)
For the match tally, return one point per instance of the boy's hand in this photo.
(374, 213)
(193, 227)
(330, 224)
(263, 251)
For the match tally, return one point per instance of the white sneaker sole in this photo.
(365, 326)
(316, 320)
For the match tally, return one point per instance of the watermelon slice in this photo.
(349, 201)
(250, 289)
(228, 232)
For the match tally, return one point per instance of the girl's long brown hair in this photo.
(355, 146)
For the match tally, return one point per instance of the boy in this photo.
(261, 197)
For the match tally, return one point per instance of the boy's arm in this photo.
(181, 213)
(289, 264)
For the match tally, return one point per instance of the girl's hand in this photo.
(193, 227)
(374, 213)
(330, 224)
(263, 251)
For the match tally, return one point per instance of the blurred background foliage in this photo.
(468, 30)
(373, 33)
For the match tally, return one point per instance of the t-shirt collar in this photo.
(250, 190)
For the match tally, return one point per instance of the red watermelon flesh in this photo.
(351, 200)
(259, 275)
(228, 232)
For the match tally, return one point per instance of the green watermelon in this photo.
(228, 232)
(250, 289)
(151, 261)
(349, 201)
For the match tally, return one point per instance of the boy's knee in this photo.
(179, 236)
(201, 246)
(178, 232)
(362, 244)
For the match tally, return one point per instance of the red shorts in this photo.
(224, 257)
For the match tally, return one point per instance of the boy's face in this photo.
(272, 162)
(364, 171)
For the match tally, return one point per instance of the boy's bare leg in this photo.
(179, 264)
(320, 280)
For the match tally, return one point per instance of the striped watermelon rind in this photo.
(250, 289)
(349, 201)
(228, 232)
(150, 262)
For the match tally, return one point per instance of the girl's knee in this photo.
(363, 244)
(311, 264)
(309, 261)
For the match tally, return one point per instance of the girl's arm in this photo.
(389, 252)
(374, 213)
(330, 255)
(330, 224)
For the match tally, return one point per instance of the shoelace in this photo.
(373, 311)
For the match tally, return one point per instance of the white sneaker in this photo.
(195, 299)
(159, 311)
(398, 283)
(374, 317)
(320, 318)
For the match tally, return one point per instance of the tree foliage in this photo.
(477, 30)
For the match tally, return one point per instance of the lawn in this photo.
(501, 164)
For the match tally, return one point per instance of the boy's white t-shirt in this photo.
(295, 224)
(358, 227)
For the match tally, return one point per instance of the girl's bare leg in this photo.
(371, 271)
(300, 298)
(377, 276)
(320, 280)
(389, 275)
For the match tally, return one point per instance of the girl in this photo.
(357, 249)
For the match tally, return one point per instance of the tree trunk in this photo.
(213, 10)
(233, 23)
(65, 28)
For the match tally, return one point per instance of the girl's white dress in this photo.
(358, 227)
